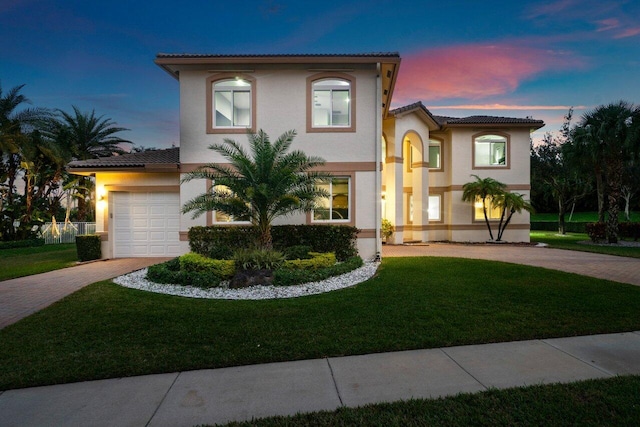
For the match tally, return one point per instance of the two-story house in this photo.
(404, 164)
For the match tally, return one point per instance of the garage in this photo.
(145, 224)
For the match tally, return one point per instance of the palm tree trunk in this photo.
(486, 218)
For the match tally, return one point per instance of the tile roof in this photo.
(286, 55)
(131, 160)
(488, 120)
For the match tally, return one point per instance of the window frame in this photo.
(490, 208)
(311, 80)
(440, 143)
(440, 197)
(504, 135)
(350, 202)
(210, 109)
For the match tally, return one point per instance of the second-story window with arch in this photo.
(490, 150)
(331, 103)
(232, 103)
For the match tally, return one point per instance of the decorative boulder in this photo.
(247, 278)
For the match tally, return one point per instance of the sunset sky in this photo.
(460, 58)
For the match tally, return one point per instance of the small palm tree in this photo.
(484, 189)
(509, 203)
(261, 185)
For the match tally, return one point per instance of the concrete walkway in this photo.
(24, 296)
(240, 393)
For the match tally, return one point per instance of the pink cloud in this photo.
(629, 32)
(473, 71)
(607, 24)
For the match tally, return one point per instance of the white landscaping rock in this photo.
(138, 280)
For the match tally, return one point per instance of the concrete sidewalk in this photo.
(240, 393)
(24, 296)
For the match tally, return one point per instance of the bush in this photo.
(290, 277)
(317, 260)
(21, 244)
(629, 230)
(88, 247)
(596, 231)
(257, 259)
(197, 263)
(297, 252)
(170, 272)
(220, 242)
(569, 227)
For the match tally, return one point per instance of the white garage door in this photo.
(146, 224)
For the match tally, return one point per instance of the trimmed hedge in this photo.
(596, 231)
(317, 260)
(193, 262)
(627, 230)
(30, 243)
(290, 277)
(169, 272)
(222, 241)
(88, 247)
(569, 227)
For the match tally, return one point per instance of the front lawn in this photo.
(571, 241)
(21, 262)
(581, 216)
(106, 331)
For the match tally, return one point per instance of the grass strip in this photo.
(20, 262)
(571, 241)
(607, 402)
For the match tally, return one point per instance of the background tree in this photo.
(259, 185)
(553, 175)
(611, 133)
(86, 136)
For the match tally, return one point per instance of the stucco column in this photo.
(394, 185)
(420, 201)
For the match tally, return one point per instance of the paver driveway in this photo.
(25, 295)
(619, 269)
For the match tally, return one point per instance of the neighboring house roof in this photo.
(150, 160)
(389, 62)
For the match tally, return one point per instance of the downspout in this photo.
(378, 145)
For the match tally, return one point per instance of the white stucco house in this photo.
(405, 164)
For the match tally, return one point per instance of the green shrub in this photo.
(629, 230)
(258, 259)
(192, 262)
(596, 231)
(317, 260)
(290, 277)
(30, 243)
(88, 247)
(169, 272)
(297, 252)
(220, 242)
(569, 227)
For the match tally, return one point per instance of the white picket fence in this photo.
(65, 233)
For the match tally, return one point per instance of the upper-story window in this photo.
(435, 154)
(331, 103)
(230, 104)
(490, 150)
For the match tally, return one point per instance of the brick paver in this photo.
(618, 269)
(24, 296)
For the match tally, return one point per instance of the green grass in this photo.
(580, 216)
(607, 402)
(27, 261)
(106, 331)
(571, 241)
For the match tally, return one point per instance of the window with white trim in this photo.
(490, 150)
(435, 154)
(434, 207)
(337, 206)
(331, 103)
(231, 103)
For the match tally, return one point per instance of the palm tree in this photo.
(87, 136)
(511, 203)
(484, 189)
(612, 133)
(261, 185)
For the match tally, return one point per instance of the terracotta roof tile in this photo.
(131, 160)
(287, 55)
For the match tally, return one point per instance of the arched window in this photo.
(490, 150)
(331, 104)
(230, 104)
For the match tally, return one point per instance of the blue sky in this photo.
(506, 58)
